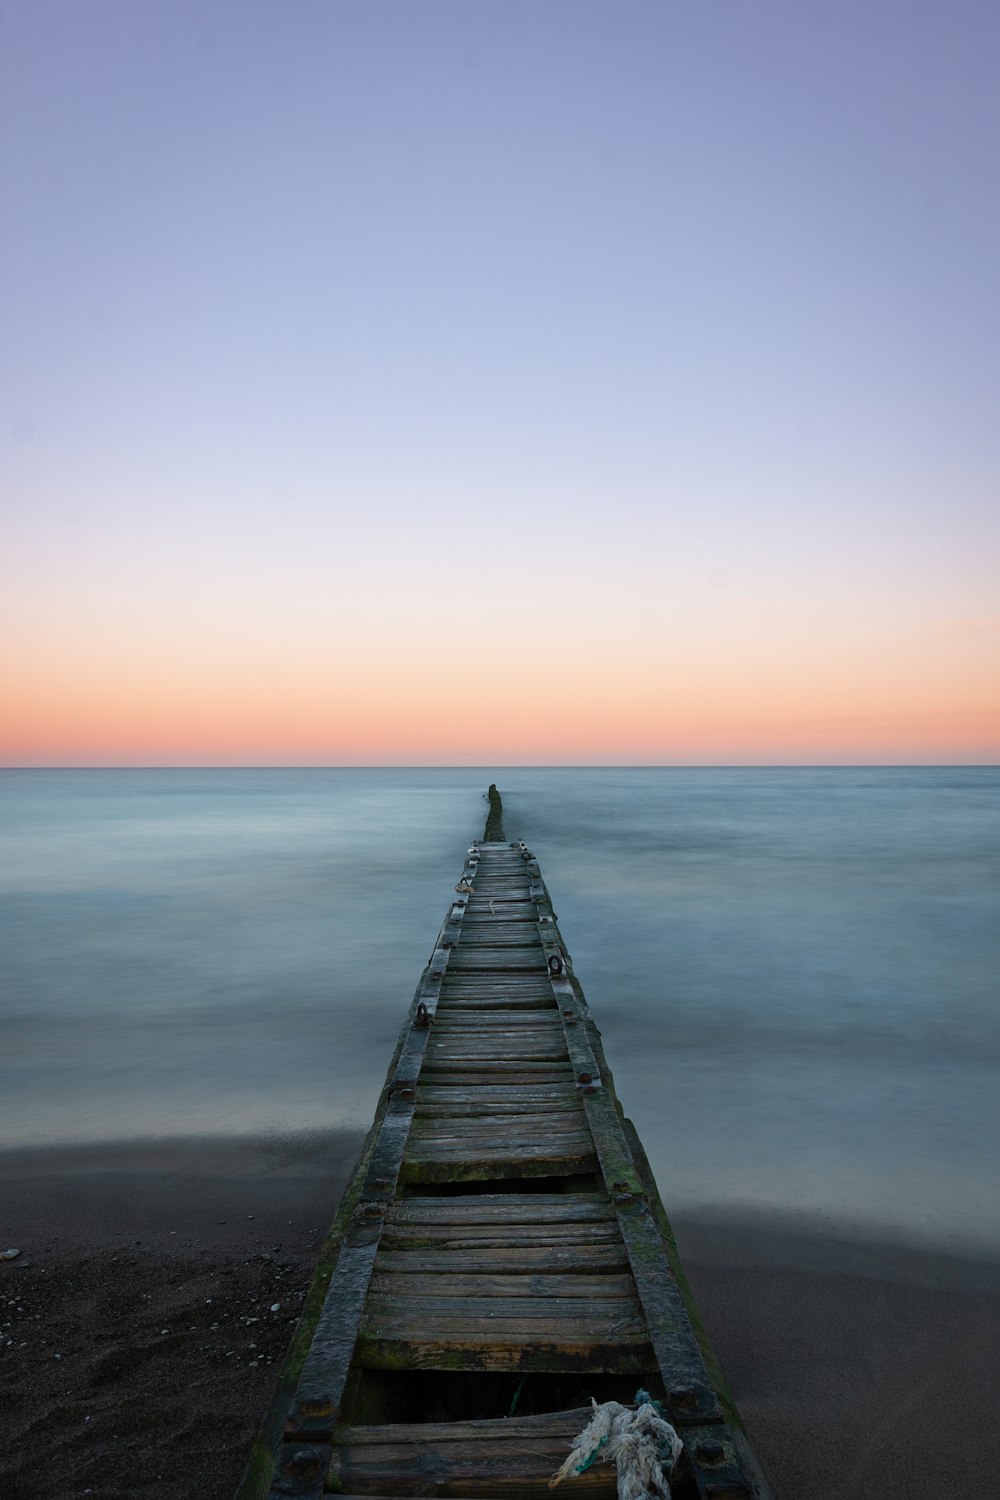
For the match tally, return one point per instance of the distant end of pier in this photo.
(494, 833)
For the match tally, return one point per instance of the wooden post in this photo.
(494, 833)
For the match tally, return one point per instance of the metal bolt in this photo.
(586, 1077)
(316, 1406)
(685, 1395)
(709, 1451)
(305, 1461)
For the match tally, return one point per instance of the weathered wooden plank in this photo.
(497, 960)
(472, 1074)
(497, 924)
(486, 1004)
(467, 986)
(499, 1236)
(324, 1374)
(488, 1025)
(494, 1132)
(489, 1460)
(514, 1121)
(525, 1074)
(436, 1072)
(504, 988)
(498, 919)
(460, 1047)
(499, 1093)
(505, 1430)
(496, 1107)
(462, 1138)
(493, 1038)
(571, 1156)
(499, 1018)
(500, 1347)
(525, 1047)
(501, 984)
(481, 907)
(495, 1165)
(497, 932)
(467, 1284)
(461, 1151)
(445, 1314)
(495, 1035)
(476, 983)
(502, 1257)
(500, 1479)
(505, 1208)
(457, 1148)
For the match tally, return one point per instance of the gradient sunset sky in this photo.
(533, 382)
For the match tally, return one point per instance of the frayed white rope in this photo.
(638, 1442)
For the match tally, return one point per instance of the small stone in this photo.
(9, 1254)
(275, 1306)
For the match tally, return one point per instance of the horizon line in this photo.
(901, 765)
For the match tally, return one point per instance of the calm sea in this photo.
(795, 971)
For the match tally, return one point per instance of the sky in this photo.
(461, 382)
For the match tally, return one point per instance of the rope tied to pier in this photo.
(641, 1444)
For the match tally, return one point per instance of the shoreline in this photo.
(141, 1346)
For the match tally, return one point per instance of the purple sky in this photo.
(696, 303)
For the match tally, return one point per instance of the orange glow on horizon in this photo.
(457, 712)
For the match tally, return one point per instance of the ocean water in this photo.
(795, 971)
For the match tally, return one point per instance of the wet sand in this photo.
(157, 1286)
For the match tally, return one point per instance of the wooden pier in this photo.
(501, 1255)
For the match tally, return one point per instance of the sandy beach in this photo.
(148, 1312)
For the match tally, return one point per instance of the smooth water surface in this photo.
(795, 971)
